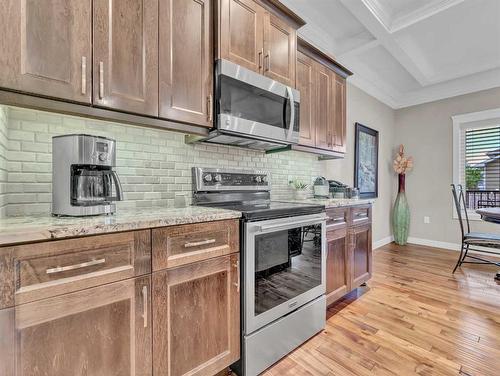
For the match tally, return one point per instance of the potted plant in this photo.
(401, 212)
(300, 189)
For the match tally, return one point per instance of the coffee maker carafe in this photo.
(83, 178)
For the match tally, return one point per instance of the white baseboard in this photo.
(382, 242)
(445, 245)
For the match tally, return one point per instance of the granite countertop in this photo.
(14, 230)
(336, 202)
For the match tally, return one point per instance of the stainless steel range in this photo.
(283, 255)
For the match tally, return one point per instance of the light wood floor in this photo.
(414, 318)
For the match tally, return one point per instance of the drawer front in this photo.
(179, 245)
(360, 215)
(337, 218)
(48, 269)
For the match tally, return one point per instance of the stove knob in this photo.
(258, 179)
(103, 156)
(218, 178)
(207, 177)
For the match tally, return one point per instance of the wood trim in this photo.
(14, 98)
(322, 57)
(280, 10)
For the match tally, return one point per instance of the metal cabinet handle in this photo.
(268, 56)
(361, 215)
(145, 305)
(101, 80)
(261, 54)
(196, 244)
(84, 75)
(60, 269)
(338, 219)
(237, 266)
(210, 107)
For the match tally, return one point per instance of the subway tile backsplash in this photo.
(152, 164)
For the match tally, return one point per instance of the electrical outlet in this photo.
(427, 220)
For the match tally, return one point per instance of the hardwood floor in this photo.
(413, 318)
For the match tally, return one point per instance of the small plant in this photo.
(298, 185)
(473, 175)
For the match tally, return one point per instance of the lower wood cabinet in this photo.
(196, 314)
(349, 251)
(104, 330)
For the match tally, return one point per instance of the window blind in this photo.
(480, 166)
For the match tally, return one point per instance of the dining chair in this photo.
(471, 239)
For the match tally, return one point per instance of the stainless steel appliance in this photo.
(283, 255)
(83, 179)
(253, 110)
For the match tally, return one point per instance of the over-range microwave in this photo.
(253, 110)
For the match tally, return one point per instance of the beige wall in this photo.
(365, 109)
(426, 132)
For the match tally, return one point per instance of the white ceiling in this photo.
(406, 52)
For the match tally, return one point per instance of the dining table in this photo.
(490, 215)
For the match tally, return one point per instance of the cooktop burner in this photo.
(271, 209)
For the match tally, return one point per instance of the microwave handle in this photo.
(292, 112)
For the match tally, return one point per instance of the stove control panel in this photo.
(206, 179)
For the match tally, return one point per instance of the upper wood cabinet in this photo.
(241, 33)
(186, 61)
(280, 44)
(46, 48)
(325, 99)
(197, 317)
(104, 330)
(125, 59)
(304, 84)
(252, 36)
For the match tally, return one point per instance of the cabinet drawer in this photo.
(337, 218)
(179, 245)
(360, 215)
(42, 270)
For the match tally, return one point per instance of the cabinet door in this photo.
(126, 55)
(339, 115)
(304, 83)
(104, 330)
(361, 254)
(337, 265)
(46, 47)
(197, 313)
(241, 33)
(186, 62)
(280, 43)
(322, 107)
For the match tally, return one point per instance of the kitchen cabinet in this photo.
(46, 48)
(241, 33)
(186, 61)
(304, 84)
(327, 102)
(258, 37)
(97, 331)
(125, 55)
(279, 50)
(349, 250)
(196, 312)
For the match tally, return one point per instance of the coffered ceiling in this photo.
(406, 52)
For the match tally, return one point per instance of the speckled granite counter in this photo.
(335, 202)
(38, 228)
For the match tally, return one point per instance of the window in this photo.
(476, 157)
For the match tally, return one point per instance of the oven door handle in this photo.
(291, 99)
(287, 225)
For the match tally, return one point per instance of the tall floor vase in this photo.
(401, 214)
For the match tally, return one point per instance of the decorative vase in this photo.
(401, 214)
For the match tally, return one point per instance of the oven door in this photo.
(284, 267)
(252, 105)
